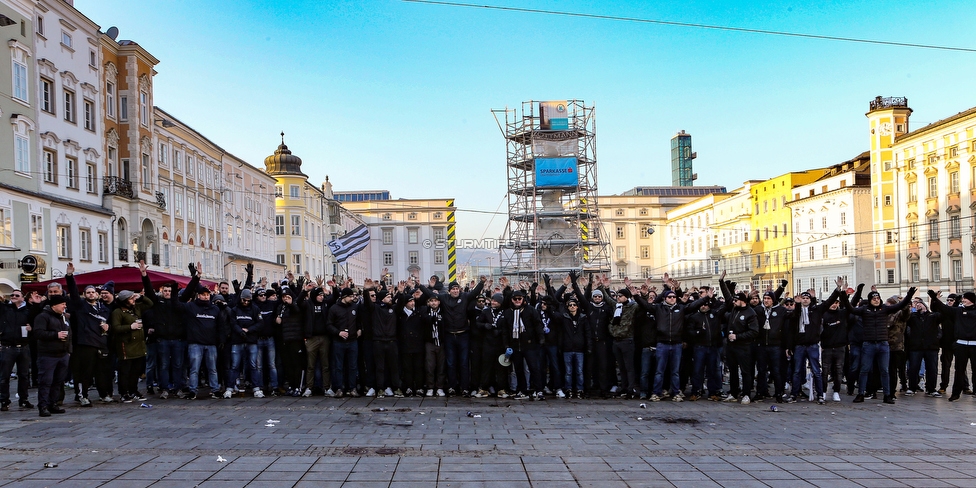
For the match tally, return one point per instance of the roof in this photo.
(674, 191)
(936, 124)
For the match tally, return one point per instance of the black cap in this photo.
(57, 300)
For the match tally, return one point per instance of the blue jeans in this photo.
(346, 369)
(551, 356)
(669, 360)
(647, 364)
(237, 358)
(266, 355)
(708, 363)
(200, 353)
(456, 346)
(170, 355)
(874, 353)
(573, 361)
(854, 368)
(802, 355)
(152, 353)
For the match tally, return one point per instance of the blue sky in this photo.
(393, 95)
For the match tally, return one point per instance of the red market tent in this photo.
(125, 278)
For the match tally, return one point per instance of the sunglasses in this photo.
(572, 305)
(516, 298)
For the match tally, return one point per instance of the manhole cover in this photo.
(679, 420)
(387, 451)
(355, 451)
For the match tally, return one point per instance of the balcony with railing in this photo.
(880, 103)
(139, 255)
(115, 185)
(123, 254)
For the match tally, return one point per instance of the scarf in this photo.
(436, 315)
(804, 319)
(517, 326)
(768, 311)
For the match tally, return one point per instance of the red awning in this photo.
(125, 278)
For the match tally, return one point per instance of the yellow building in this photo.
(771, 223)
(887, 119)
(301, 215)
(934, 189)
(732, 231)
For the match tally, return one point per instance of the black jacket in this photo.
(962, 318)
(342, 317)
(410, 328)
(924, 331)
(874, 320)
(811, 332)
(383, 318)
(777, 318)
(836, 326)
(526, 333)
(741, 322)
(46, 328)
(705, 328)
(575, 335)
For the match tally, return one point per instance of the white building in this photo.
(732, 228)
(831, 230)
(691, 241)
(247, 207)
(70, 129)
(407, 237)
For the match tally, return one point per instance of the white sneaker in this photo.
(836, 397)
(228, 393)
(745, 400)
(614, 389)
(307, 393)
(560, 394)
(371, 392)
(388, 392)
(430, 393)
(441, 393)
(258, 393)
(329, 393)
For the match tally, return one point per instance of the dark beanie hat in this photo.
(970, 296)
(109, 287)
(346, 292)
(742, 296)
(498, 297)
(57, 299)
(381, 294)
(872, 295)
(625, 292)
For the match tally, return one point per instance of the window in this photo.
(294, 191)
(50, 167)
(39, 25)
(933, 230)
(20, 82)
(388, 236)
(162, 154)
(110, 99)
(144, 108)
(69, 106)
(913, 231)
(438, 235)
(92, 58)
(388, 259)
(954, 227)
(891, 276)
(91, 175)
(621, 252)
(936, 271)
(280, 259)
(954, 182)
(413, 257)
(887, 201)
(191, 207)
(6, 238)
(957, 270)
(810, 253)
(915, 273)
(387, 216)
(619, 212)
(296, 225)
(177, 160)
(933, 186)
(146, 172)
(47, 96)
(620, 232)
(824, 251)
(413, 235)
(843, 248)
(89, 108)
(645, 252)
(889, 237)
(123, 108)
(296, 261)
(843, 218)
(642, 212)
(412, 216)
(178, 203)
(71, 173)
(84, 237)
(102, 247)
(65, 39)
(22, 154)
(37, 233)
(438, 257)
(279, 191)
(811, 223)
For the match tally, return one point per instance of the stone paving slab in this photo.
(918, 442)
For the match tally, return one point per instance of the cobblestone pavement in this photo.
(408, 442)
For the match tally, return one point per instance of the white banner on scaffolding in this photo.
(553, 144)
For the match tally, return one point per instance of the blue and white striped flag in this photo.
(348, 245)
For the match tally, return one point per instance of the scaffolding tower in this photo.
(553, 219)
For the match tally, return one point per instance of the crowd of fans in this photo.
(305, 336)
